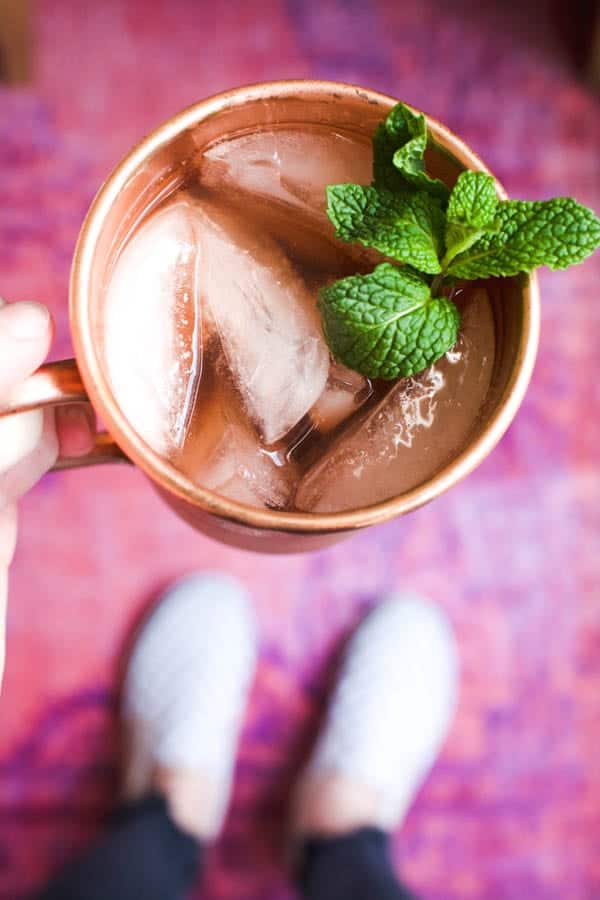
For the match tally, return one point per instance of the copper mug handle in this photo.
(56, 384)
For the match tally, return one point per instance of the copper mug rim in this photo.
(160, 470)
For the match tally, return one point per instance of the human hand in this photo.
(29, 442)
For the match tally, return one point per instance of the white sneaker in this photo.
(187, 683)
(392, 706)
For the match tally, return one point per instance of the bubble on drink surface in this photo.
(152, 328)
(417, 403)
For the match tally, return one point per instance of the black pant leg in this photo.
(143, 856)
(356, 866)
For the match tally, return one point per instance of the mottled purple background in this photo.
(512, 809)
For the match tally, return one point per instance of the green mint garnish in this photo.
(555, 233)
(387, 324)
(399, 146)
(407, 227)
(394, 323)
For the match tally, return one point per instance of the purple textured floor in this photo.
(512, 809)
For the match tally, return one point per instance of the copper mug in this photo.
(146, 172)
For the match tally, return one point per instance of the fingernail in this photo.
(26, 321)
(74, 412)
(75, 425)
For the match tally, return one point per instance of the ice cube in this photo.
(290, 165)
(309, 241)
(281, 176)
(265, 316)
(152, 341)
(223, 453)
(344, 394)
(414, 430)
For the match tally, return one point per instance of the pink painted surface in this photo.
(513, 806)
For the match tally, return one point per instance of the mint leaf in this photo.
(555, 233)
(385, 173)
(399, 145)
(471, 212)
(473, 200)
(407, 227)
(387, 324)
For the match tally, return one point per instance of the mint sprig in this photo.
(393, 322)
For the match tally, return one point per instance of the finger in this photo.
(19, 436)
(25, 336)
(76, 428)
(18, 480)
(8, 539)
